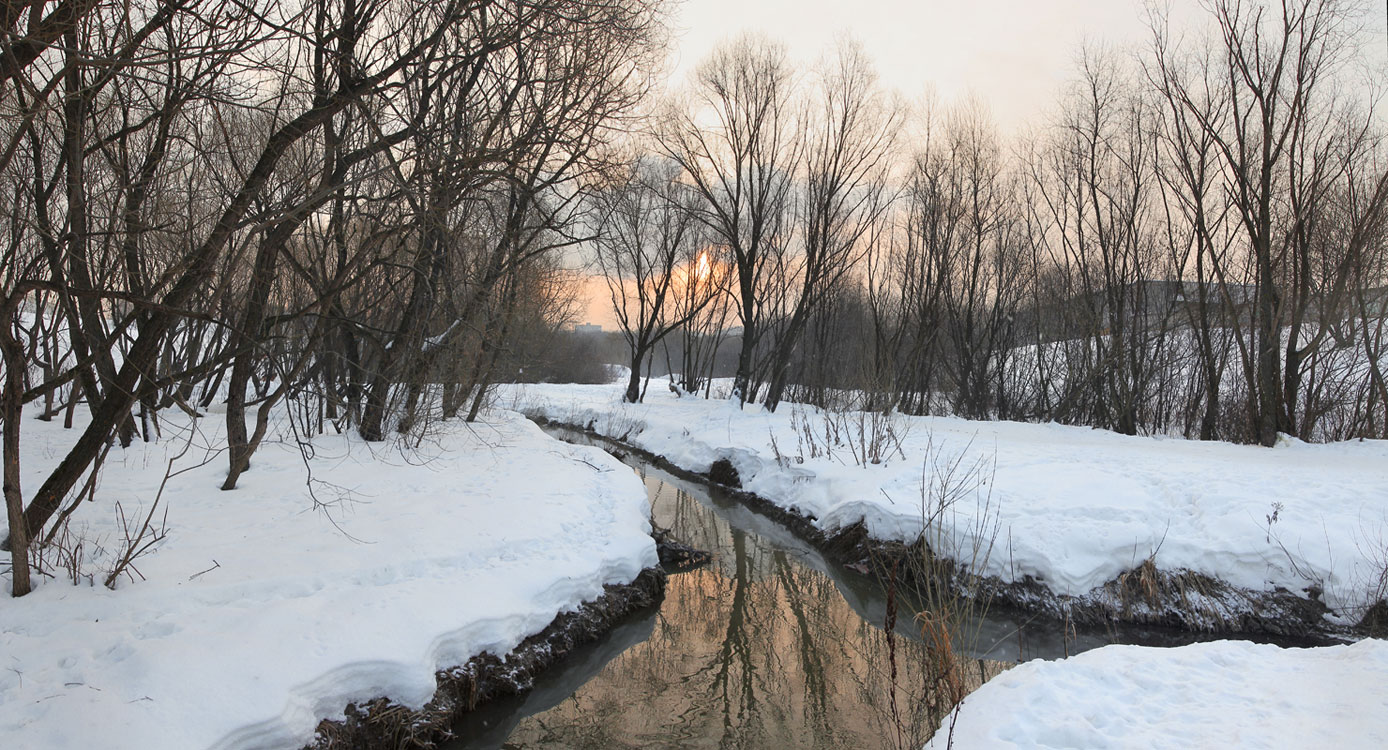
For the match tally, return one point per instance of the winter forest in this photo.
(1190, 247)
(283, 281)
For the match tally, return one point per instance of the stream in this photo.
(769, 645)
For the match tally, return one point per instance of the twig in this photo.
(215, 565)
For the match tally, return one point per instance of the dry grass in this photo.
(938, 575)
(1142, 583)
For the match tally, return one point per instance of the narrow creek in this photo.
(770, 645)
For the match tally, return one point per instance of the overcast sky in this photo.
(1013, 54)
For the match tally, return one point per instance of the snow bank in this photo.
(1217, 694)
(261, 615)
(1075, 507)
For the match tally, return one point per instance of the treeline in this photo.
(347, 207)
(1193, 243)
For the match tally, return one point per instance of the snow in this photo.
(260, 614)
(1074, 507)
(1217, 694)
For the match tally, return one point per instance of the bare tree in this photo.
(734, 137)
(1273, 71)
(851, 132)
(1096, 181)
(649, 251)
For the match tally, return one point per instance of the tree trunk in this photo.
(633, 394)
(1268, 364)
(14, 499)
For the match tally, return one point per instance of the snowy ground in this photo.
(1218, 694)
(260, 615)
(1074, 507)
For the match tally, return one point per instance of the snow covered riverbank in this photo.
(259, 615)
(1075, 508)
(1217, 694)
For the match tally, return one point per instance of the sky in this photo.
(1012, 54)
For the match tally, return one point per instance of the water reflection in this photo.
(488, 728)
(760, 648)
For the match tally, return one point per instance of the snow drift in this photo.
(264, 610)
(1075, 507)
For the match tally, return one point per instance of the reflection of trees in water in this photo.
(753, 650)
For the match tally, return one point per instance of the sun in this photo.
(702, 267)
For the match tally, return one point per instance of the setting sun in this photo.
(702, 267)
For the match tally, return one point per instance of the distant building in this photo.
(1147, 305)
(1375, 303)
(588, 328)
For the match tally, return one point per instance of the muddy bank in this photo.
(1144, 597)
(383, 724)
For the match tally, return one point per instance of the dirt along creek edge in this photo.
(1144, 597)
(381, 723)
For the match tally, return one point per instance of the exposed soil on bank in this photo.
(383, 724)
(1145, 596)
